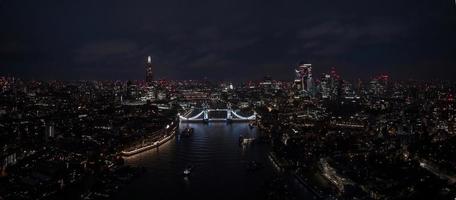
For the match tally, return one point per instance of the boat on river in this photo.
(188, 170)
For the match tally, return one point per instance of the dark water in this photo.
(219, 166)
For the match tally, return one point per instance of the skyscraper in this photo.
(325, 86)
(303, 79)
(149, 72)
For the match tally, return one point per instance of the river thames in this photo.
(219, 166)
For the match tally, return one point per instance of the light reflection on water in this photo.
(219, 165)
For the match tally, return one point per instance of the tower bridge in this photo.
(203, 116)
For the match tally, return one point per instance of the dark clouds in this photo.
(109, 39)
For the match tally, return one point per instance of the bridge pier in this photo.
(229, 116)
(206, 115)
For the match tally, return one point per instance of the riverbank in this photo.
(168, 133)
(284, 167)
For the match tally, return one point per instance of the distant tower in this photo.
(303, 79)
(325, 86)
(149, 72)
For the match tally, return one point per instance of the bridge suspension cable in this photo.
(191, 118)
(252, 117)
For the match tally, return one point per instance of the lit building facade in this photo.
(303, 81)
(149, 72)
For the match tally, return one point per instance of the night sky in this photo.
(226, 40)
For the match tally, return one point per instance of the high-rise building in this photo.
(335, 83)
(149, 72)
(50, 131)
(325, 86)
(303, 80)
(376, 88)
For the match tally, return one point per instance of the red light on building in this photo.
(450, 97)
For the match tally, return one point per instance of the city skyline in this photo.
(103, 40)
(302, 74)
(227, 99)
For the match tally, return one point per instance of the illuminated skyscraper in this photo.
(149, 72)
(325, 86)
(304, 81)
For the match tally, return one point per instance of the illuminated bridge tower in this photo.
(149, 72)
(205, 113)
(229, 117)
